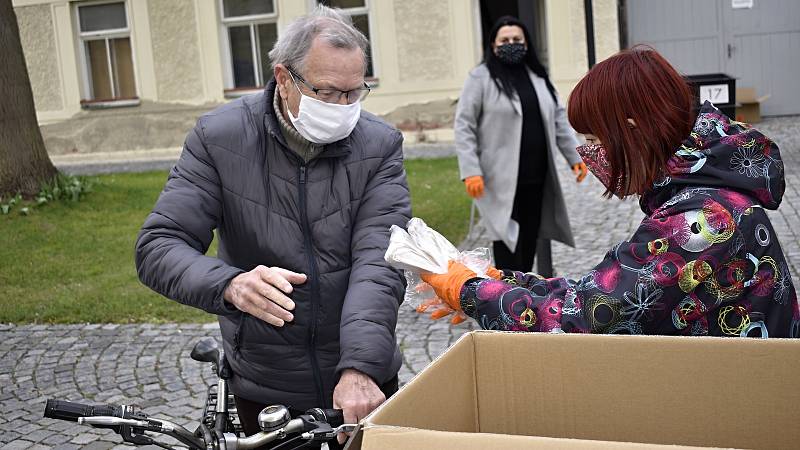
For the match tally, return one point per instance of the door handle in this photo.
(730, 50)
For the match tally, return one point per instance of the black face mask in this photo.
(511, 54)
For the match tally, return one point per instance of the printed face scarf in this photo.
(596, 159)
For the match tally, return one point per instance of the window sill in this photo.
(110, 103)
(240, 92)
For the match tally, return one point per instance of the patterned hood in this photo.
(722, 153)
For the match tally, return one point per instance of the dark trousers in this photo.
(527, 212)
(248, 415)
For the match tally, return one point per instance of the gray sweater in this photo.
(297, 143)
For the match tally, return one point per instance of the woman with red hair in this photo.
(704, 261)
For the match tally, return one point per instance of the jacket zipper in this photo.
(314, 279)
(237, 336)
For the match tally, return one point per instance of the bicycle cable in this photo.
(284, 445)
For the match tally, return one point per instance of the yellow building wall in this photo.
(566, 39)
(37, 35)
(176, 52)
(424, 51)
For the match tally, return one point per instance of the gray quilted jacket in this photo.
(328, 218)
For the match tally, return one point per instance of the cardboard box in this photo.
(567, 391)
(748, 108)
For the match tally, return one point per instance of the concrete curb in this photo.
(165, 158)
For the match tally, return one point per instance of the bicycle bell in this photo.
(273, 418)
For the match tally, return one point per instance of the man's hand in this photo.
(262, 293)
(356, 395)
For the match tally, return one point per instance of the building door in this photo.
(755, 41)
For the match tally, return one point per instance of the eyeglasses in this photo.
(332, 95)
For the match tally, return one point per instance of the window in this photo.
(358, 10)
(105, 51)
(250, 33)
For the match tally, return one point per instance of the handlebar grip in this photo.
(70, 411)
(335, 417)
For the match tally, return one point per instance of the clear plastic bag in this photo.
(422, 249)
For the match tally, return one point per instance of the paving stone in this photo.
(28, 428)
(55, 439)
(18, 445)
(99, 445)
(84, 438)
(7, 435)
(38, 435)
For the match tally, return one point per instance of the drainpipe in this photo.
(589, 20)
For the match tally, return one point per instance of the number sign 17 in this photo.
(715, 93)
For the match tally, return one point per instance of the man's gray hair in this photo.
(330, 24)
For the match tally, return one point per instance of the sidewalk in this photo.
(165, 158)
(148, 364)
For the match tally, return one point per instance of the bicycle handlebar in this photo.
(116, 417)
(314, 424)
(71, 411)
(334, 417)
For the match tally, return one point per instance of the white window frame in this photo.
(360, 11)
(105, 35)
(252, 21)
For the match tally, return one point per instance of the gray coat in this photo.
(329, 219)
(488, 129)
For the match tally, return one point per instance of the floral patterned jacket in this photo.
(705, 260)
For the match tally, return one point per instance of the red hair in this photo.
(636, 84)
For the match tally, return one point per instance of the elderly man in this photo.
(301, 186)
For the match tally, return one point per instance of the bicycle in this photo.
(219, 427)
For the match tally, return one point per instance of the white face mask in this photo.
(323, 123)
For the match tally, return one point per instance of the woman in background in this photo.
(508, 123)
(704, 261)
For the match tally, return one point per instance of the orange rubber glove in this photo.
(448, 285)
(430, 304)
(439, 309)
(494, 272)
(580, 171)
(458, 317)
(474, 186)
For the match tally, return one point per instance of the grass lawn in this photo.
(73, 262)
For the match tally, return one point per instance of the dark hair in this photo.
(499, 71)
(641, 85)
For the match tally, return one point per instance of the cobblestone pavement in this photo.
(148, 365)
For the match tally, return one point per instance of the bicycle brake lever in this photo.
(111, 421)
(323, 434)
(345, 428)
